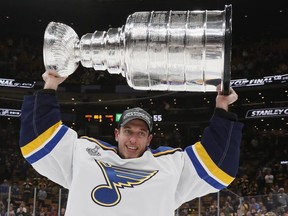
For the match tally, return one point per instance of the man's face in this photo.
(133, 138)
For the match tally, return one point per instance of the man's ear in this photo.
(116, 134)
(149, 139)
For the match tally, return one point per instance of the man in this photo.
(282, 199)
(132, 179)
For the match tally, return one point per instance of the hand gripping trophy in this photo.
(158, 50)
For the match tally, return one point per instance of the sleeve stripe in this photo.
(201, 171)
(211, 176)
(48, 147)
(36, 143)
(211, 166)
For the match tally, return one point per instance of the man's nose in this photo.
(133, 138)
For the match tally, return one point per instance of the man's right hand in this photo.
(52, 80)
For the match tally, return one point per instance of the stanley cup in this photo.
(157, 50)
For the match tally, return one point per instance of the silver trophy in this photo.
(158, 50)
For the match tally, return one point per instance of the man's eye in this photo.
(141, 134)
(127, 132)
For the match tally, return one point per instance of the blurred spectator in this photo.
(243, 207)
(11, 210)
(42, 212)
(53, 211)
(281, 175)
(15, 189)
(269, 179)
(41, 195)
(228, 209)
(2, 208)
(4, 188)
(22, 210)
(184, 209)
(211, 211)
(282, 199)
(269, 201)
(62, 212)
(27, 190)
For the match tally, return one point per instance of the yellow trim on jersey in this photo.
(211, 166)
(167, 152)
(42, 138)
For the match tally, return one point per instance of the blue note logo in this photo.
(118, 177)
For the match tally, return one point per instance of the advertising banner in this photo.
(15, 84)
(267, 112)
(10, 112)
(276, 79)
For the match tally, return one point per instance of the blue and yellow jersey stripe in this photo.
(164, 150)
(206, 168)
(44, 143)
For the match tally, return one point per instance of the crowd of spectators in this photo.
(259, 59)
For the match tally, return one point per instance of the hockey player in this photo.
(131, 179)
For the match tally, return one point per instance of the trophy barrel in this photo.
(179, 50)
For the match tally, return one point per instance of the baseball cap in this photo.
(136, 113)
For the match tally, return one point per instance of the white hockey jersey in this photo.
(102, 183)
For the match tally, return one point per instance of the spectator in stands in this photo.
(269, 179)
(184, 209)
(243, 207)
(281, 175)
(42, 212)
(21, 211)
(260, 181)
(269, 201)
(30, 211)
(41, 195)
(27, 190)
(254, 204)
(15, 190)
(4, 188)
(228, 209)
(62, 211)
(22, 208)
(53, 211)
(11, 210)
(243, 185)
(211, 211)
(282, 199)
(2, 208)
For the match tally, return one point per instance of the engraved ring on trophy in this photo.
(157, 50)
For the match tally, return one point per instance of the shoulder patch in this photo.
(102, 144)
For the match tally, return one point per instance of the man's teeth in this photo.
(131, 147)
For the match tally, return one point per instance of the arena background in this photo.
(253, 21)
